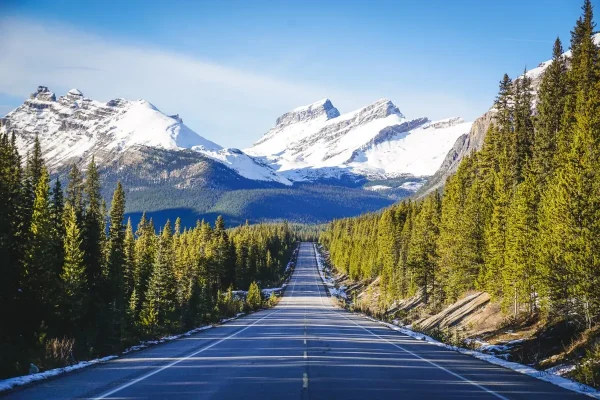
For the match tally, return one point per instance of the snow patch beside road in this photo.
(10, 383)
(549, 375)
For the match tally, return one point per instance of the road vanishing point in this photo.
(304, 348)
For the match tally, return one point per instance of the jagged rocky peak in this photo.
(74, 94)
(380, 109)
(43, 94)
(322, 108)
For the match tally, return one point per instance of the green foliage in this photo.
(588, 368)
(90, 285)
(520, 219)
(253, 298)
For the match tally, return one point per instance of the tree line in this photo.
(520, 219)
(79, 279)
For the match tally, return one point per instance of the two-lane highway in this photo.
(304, 348)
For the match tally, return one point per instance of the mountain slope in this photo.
(165, 167)
(316, 142)
(73, 128)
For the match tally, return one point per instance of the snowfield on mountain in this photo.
(376, 141)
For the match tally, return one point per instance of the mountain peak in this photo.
(43, 94)
(75, 92)
(385, 107)
(320, 109)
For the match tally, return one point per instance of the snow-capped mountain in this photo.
(72, 128)
(377, 141)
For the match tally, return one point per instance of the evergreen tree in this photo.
(423, 254)
(116, 264)
(40, 284)
(519, 274)
(159, 312)
(74, 192)
(73, 275)
(551, 104)
(12, 235)
(93, 238)
(254, 297)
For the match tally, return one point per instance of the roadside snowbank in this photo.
(325, 274)
(549, 375)
(23, 380)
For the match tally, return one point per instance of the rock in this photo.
(33, 369)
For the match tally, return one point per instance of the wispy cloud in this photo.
(228, 105)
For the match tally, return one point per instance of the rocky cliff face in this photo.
(464, 145)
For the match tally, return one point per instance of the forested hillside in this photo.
(520, 219)
(79, 281)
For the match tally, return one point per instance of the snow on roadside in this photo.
(11, 383)
(325, 273)
(549, 375)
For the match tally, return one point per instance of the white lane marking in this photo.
(305, 380)
(148, 375)
(418, 356)
(305, 356)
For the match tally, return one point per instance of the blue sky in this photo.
(229, 68)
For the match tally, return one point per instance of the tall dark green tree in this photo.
(115, 264)
(550, 107)
(159, 311)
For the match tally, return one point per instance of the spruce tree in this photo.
(93, 238)
(519, 274)
(115, 264)
(550, 107)
(159, 311)
(254, 297)
(41, 282)
(74, 192)
(73, 275)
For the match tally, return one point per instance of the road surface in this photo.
(304, 348)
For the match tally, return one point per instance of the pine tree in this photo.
(254, 297)
(159, 311)
(12, 235)
(519, 274)
(115, 265)
(571, 208)
(130, 264)
(73, 275)
(551, 104)
(58, 229)
(423, 253)
(93, 238)
(145, 254)
(389, 249)
(74, 192)
(41, 282)
(523, 124)
(495, 235)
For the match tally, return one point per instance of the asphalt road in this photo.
(305, 348)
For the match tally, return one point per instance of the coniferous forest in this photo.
(78, 281)
(521, 217)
